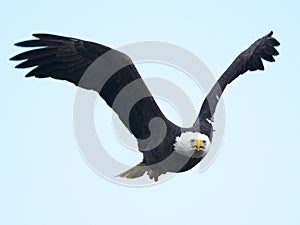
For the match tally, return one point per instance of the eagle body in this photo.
(165, 146)
(166, 159)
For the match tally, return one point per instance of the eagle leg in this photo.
(154, 173)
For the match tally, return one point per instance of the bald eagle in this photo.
(178, 149)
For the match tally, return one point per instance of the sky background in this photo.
(255, 178)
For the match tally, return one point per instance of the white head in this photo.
(189, 142)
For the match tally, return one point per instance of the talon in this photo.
(153, 174)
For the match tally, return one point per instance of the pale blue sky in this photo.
(255, 178)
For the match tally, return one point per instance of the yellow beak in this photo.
(198, 144)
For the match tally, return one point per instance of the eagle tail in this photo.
(135, 172)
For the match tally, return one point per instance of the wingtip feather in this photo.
(21, 44)
(270, 34)
(14, 58)
(50, 36)
(38, 35)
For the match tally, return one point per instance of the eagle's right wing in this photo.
(97, 67)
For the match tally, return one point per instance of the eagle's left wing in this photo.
(248, 60)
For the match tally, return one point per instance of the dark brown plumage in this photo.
(108, 71)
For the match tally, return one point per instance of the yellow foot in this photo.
(154, 174)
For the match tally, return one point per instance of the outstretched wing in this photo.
(94, 66)
(249, 60)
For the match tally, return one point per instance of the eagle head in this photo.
(190, 144)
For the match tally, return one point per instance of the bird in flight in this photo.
(165, 146)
